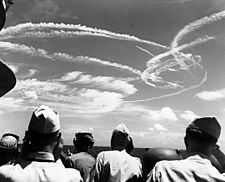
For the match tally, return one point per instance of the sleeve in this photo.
(155, 174)
(98, 168)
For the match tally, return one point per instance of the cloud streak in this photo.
(211, 95)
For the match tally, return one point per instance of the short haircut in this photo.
(39, 139)
(119, 139)
(200, 137)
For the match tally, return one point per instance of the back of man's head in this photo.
(8, 147)
(83, 141)
(44, 128)
(203, 132)
(120, 137)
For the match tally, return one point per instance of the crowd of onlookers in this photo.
(40, 158)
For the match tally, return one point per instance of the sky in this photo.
(154, 65)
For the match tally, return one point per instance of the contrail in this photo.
(172, 94)
(157, 58)
(146, 51)
(196, 25)
(25, 27)
(13, 47)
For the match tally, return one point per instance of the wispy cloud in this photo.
(29, 73)
(70, 76)
(104, 94)
(211, 95)
(158, 127)
(109, 83)
(12, 104)
(188, 115)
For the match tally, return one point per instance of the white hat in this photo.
(44, 120)
(121, 128)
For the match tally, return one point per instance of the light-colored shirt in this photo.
(192, 169)
(116, 166)
(81, 161)
(40, 167)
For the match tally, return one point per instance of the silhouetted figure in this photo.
(117, 165)
(82, 160)
(40, 146)
(200, 141)
(7, 77)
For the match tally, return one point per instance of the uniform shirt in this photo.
(81, 161)
(39, 168)
(192, 169)
(116, 166)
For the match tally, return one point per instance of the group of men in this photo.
(39, 160)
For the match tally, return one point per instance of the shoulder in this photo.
(169, 164)
(74, 175)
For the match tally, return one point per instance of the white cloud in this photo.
(11, 104)
(189, 115)
(64, 99)
(31, 95)
(96, 101)
(159, 127)
(30, 73)
(70, 76)
(211, 95)
(149, 114)
(165, 113)
(110, 83)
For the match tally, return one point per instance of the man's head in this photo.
(44, 130)
(202, 135)
(120, 137)
(83, 141)
(8, 147)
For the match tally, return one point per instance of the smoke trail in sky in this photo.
(13, 47)
(9, 31)
(173, 93)
(196, 25)
(156, 65)
(146, 51)
(171, 60)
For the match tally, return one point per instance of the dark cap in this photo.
(206, 125)
(82, 135)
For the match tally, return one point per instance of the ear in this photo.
(74, 141)
(59, 138)
(216, 148)
(185, 141)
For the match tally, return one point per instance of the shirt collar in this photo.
(41, 156)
